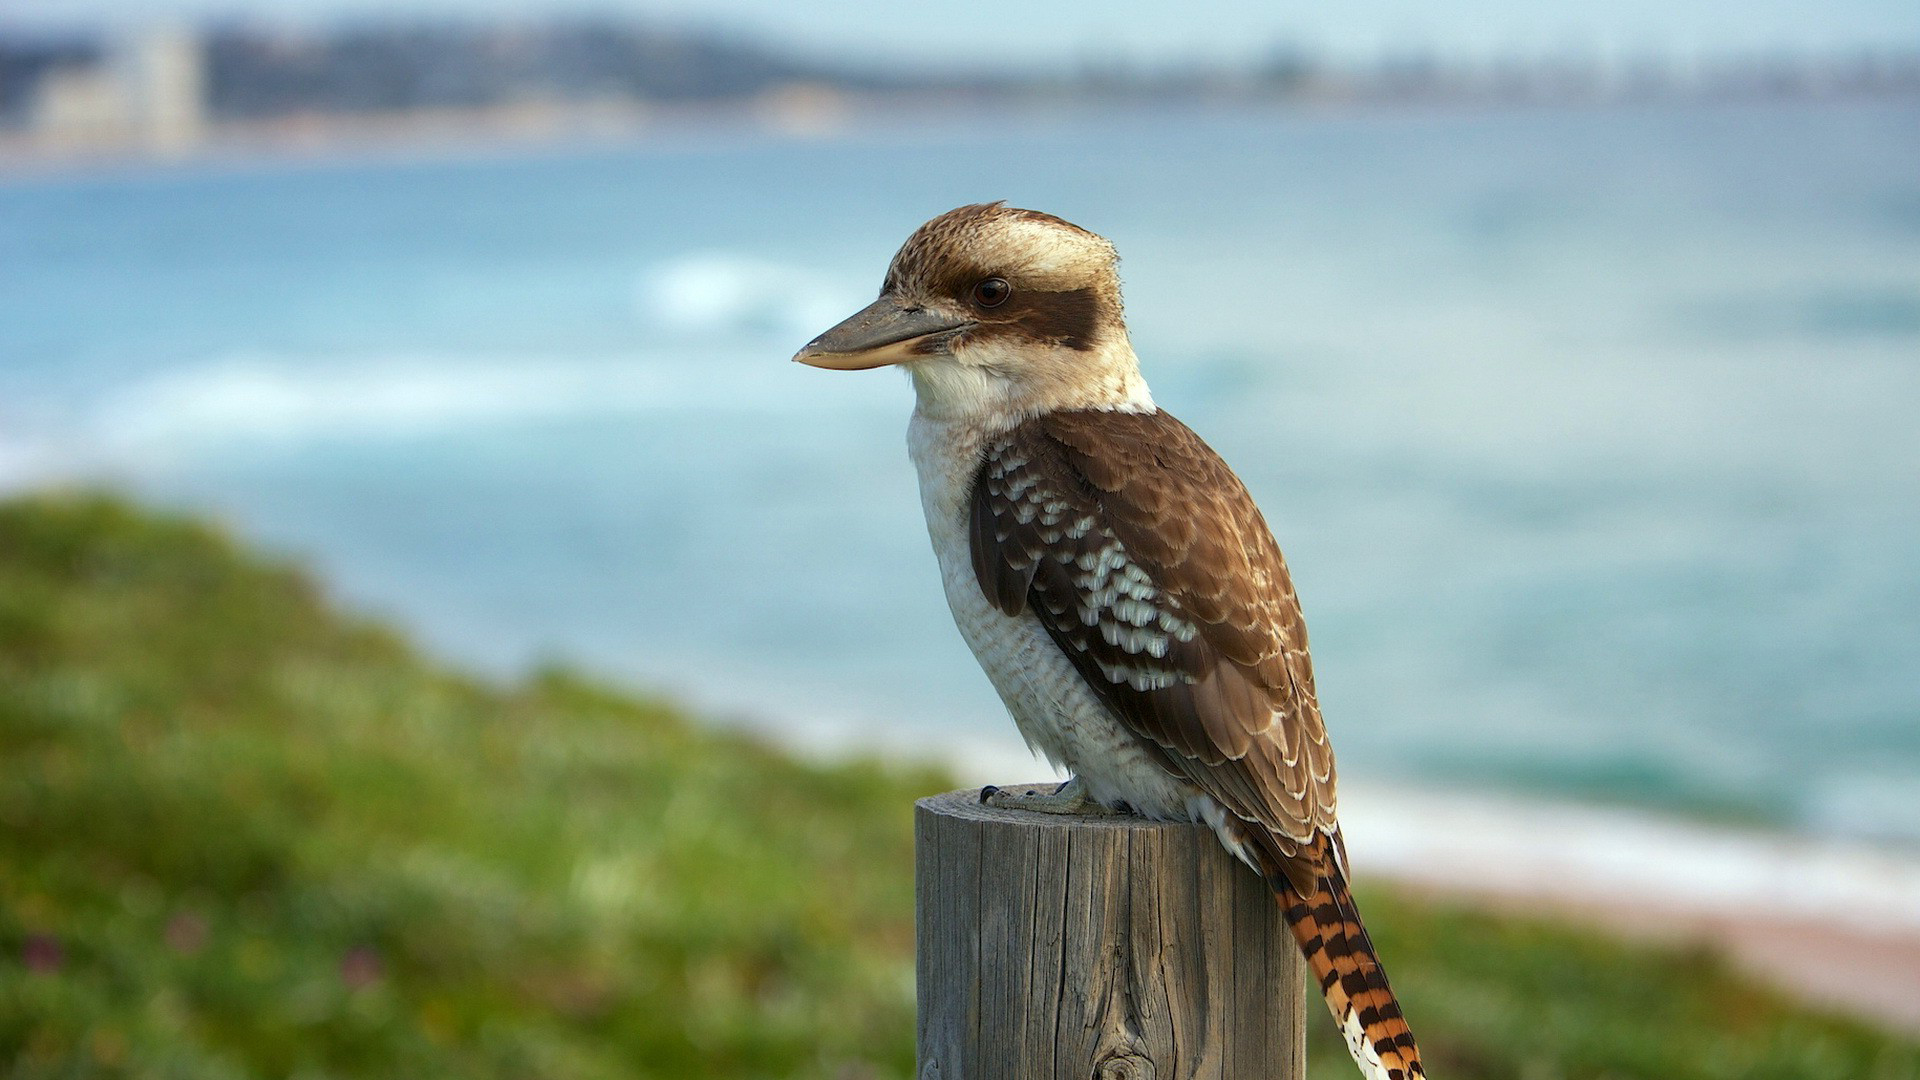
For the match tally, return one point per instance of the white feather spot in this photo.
(1363, 1052)
(1141, 679)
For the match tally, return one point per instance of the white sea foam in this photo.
(734, 320)
(1592, 856)
(719, 293)
(262, 399)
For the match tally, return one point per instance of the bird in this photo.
(1112, 575)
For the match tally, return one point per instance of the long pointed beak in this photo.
(879, 334)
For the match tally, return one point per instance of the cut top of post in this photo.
(1053, 945)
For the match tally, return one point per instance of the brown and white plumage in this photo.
(1112, 575)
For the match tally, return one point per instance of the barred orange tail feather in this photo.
(1348, 971)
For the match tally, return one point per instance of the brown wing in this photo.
(1150, 566)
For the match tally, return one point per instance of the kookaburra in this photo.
(1113, 576)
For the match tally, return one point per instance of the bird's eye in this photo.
(992, 292)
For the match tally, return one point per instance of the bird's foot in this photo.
(1069, 798)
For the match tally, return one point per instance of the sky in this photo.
(1143, 32)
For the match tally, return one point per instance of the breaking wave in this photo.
(717, 293)
(262, 400)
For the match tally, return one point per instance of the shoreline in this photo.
(1832, 922)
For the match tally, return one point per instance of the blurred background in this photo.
(1573, 353)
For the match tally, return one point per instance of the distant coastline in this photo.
(187, 92)
(416, 134)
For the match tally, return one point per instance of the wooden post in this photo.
(1075, 948)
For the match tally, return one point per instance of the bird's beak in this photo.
(879, 334)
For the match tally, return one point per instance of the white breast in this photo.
(1054, 708)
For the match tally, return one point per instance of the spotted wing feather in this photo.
(1146, 560)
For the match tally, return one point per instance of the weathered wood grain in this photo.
(1070, 948)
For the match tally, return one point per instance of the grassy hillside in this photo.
(243, 836)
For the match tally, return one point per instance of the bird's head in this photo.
(996, 312)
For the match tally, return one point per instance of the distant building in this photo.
(79, 107)
(164, 72)
(149, 92)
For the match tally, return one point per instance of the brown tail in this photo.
(1334, 940)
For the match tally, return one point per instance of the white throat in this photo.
(978, 390)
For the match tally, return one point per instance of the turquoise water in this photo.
(1591, 434)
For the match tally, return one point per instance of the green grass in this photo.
(242, 835)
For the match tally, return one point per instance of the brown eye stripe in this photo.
(1070, 318)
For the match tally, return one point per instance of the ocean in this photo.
(1592, 434)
